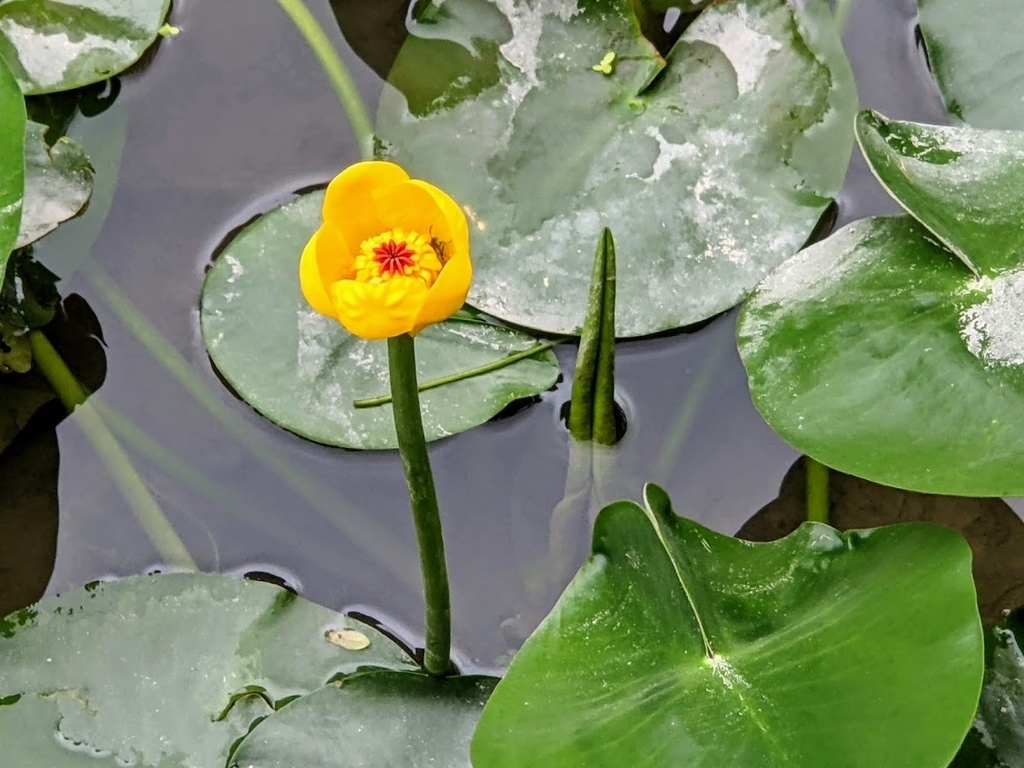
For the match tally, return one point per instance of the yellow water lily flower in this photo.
(392, 254)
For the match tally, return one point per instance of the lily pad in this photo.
(140, 670)
(878, 353)
(964, 184)
(711, 165)
(303, 371)
(370, 719)
(58, 183)
(997, 738)
(12, 162)
(675, 645)
(977, 56)
(57, 45)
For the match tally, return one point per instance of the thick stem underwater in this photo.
(423, 498)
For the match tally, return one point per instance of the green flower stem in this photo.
(413, 447)
(147, 511)
(335, 69)
(817, 491)
(515, 357)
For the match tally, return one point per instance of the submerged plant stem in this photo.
(147, 511)
(515, 357)
(412, 445)
(842, 13)
(335, 69)
(817, 490)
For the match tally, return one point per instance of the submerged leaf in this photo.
(711, 165)
(677, 646)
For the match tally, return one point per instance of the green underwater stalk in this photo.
(412, 445)
(592, 409)
(336, 71)
(74, 397)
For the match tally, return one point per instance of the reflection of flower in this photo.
(392, 254)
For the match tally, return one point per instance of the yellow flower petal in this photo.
(458, 227)
(411, 207)
(348, 204)
(325, 260)
(378, 310)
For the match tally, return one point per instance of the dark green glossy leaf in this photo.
(139, 670)
(710, 166)
(57, 45)
(374, 718)
(997, 738)
(878, 353)
(12, 162)
(976, 53)
(964, 184)
(303, 370)
(28, 299)
(677, 646)
(58, 183)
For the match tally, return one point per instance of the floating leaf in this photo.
(977, 56)
(964, 184)
(373, 718)
(878, 353)
(997, 738)
(57, 45)
(711, 165)
(675, 645)
(138, 670)
(12, 162)
(303, 370)
(58, 183)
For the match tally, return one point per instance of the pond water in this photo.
(224, 122)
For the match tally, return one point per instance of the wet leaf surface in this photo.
(711, 166)
(139, 670)
(977, 56)
(302, 370)
(57, 45)
(374, 718)
(675, 645)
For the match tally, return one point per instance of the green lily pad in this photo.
(997, 738)
(711, 165)
(12, 162)
(303, 370)
(878, 353)
(57, 45)
(58, 183)
(964, 184)
(370, 719)
(139, 670)
(977, 56)
(675, 645)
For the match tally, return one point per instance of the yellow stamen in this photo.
(397, 254)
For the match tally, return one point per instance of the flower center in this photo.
(396, 255)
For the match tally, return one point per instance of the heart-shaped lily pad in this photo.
(58, 183)
(142, 671)
(12, 162)
(976, 53)
(677, 646)
(964, 184)
(370, 719)
(303, 370)
(57, 45)
(711, 165)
